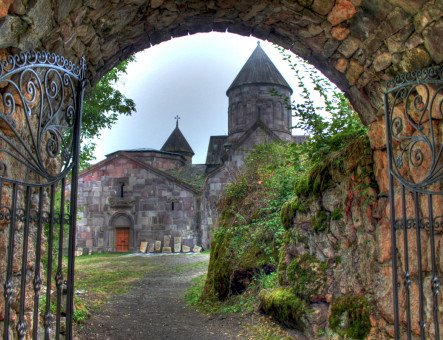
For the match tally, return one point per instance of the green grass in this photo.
(102, 276)
(191, 266)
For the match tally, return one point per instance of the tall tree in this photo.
(102, 108)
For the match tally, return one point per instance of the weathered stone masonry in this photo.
(358, 44)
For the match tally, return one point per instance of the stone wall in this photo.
(156, 205)
(344, 230)
(356, 43)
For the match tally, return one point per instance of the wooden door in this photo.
(122, 239)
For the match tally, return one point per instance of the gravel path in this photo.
(155, 309)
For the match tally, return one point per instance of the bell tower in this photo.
(251, 99)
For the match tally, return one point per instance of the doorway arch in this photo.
(121, 229)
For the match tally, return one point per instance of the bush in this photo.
(284, 306)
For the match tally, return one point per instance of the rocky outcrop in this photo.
(337, 253)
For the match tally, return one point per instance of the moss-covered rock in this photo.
(320, 221)
(288, 212)
(217, 284)
(350, 316)
(307, 276)
(283, 305)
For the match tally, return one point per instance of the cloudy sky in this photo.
(187, 76)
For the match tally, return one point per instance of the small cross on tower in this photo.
(177, 118)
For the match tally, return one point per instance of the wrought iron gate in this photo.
(40, 116)
(414, 130)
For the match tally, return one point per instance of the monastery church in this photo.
(159, 198)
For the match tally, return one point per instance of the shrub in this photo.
(284, 306)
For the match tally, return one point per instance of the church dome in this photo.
(177, 143)
(260, 70)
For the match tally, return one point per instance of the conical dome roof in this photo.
(177, 143)
(259, 69)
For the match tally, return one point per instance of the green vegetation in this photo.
(101, 109)
(350, 317)
(250, 233)
(282, 183)
(284, 306)
(307, 276)
(102, 276)
(320, 221)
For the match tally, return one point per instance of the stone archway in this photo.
(120, 233)
(356, 43)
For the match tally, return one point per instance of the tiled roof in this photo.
(259, 69)
(177, 143)
(192, 174)
(216, 149)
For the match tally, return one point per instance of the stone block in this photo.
(166, 240)
(342, 11)
(185, 249)
(197, 249)
(177, 247)
(150, 248)
(166, 250)
(432, 39)
(143, 246)
(158, 245)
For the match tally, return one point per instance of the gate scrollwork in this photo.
(41, 97)
(38, 112)
(414, 136)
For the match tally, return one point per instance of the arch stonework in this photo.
(357, 44)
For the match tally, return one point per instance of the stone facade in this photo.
(158, 194)
(154, 205)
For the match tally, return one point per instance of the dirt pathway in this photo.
(155, 308)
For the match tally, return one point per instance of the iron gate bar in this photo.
(21, 327)
(59, 275)
(45, 92)
(411, 138)
(73, 212)
(420, 269)
(434, 281)
(37, 278)
(407, 276)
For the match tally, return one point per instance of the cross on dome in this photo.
(177, 118)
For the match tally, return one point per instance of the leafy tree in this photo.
(102, 108)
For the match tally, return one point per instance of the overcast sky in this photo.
(187, 76)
